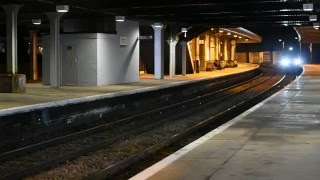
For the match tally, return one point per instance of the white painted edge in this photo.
(152, 170)
(40, 106)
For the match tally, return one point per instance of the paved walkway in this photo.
(37, 93)
(279, 139)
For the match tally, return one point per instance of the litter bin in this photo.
(197, 66)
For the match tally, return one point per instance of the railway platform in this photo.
(277, 139)
(39, 95)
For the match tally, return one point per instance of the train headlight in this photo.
(284, 62)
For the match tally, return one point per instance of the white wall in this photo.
(106, 55)
(100, 58)
(121, 63)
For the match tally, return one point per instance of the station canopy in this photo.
(198, 14)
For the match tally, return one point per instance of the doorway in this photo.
(69, 65)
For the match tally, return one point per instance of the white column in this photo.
(184, 57)
(218, 48)
(225, 50)
(197, 49)
(172, 67)
(207, 47)
(212, 48)
(158, 51)
(12, 48)
(233, 49)
(55, 61)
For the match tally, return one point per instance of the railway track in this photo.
(165, 125)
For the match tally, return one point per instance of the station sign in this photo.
(145, 37)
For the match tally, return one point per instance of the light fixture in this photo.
(308, 7)
(280, 40)
(36, 21)
(120, 18)
(62, 8)
(184, 30)
(285, 24)
(316, 25)
(228, 33)
(313, 17)
(240, 37)
(247, 39)
(212, 29)
(220, 31)
(296, 38)
(235, 35)
(158, 25)
(290, 48)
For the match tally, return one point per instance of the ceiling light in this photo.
(184, 30)
(316, 25)
(285, 24)
(247, 39)
(36, 21)
(240, 37)
(296, 38)
(235, 35)
(212, 29)
(229, 33)
(280, 40)
(62, 8)
(120, 18)
(308, 7)
(158, 25)
(313, 17)
(220, 31)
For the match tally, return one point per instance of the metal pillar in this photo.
(11, 11)
(158, 51)
(172, 69)
(33, 54)
(184, 57)
(55, 61)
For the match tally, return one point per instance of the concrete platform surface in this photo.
(277, 139)
(37, 93)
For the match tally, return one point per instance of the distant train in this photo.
(290, 59)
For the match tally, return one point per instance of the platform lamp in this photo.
(316, 25)
(120, 18)
(36, 21)
(308, 7)
(158, 25)
(313, 18)
(62, 8)
(184, 30)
